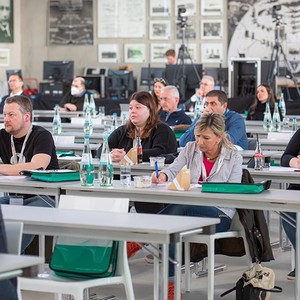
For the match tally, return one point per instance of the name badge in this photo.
(16, 200)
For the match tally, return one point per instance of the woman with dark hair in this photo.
(157, 138)
(264, 94)
(159, 83)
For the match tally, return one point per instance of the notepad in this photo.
(52, 175)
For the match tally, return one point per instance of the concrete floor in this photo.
(143, 281)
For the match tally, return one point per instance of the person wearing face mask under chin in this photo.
(73, 100)
(24, 147)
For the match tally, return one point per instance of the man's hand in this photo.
(70, 107)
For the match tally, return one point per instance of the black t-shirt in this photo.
(77, 101)
(39, 141)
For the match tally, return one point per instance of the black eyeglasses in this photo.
(161, 80)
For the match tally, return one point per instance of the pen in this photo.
(156, 168)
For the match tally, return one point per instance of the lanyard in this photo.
(19, 158)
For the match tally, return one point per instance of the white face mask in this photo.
(74, 91)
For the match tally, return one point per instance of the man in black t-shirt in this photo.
(24, 147)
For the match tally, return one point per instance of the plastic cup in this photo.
(125, 173)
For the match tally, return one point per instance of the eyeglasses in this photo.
(161, 80)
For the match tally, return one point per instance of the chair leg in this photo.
(210, 268)
(187, 270)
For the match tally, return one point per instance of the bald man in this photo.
(73, 100)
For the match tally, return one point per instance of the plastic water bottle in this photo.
(87, 171)
(86, 103)
(198, 107)
(258, 157)
(294, 124)
(93, 106)
(267, 122)
(106, 170)
(276, 119)
(115, 121)
(124, 118)
(282, 105)
(88, 124)
(56, 124)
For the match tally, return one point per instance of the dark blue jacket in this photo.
(234, 126)
(175, 118)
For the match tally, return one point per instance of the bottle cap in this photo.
(86, 136)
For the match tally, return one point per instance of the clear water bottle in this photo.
(86, 103)
(56, 124)
(87, 171)
(124, 118)
(198, 107)
(88, 124)
(93, 107)
(106, 170)
(294, 124)
(267, 122)
(115, 121)
(282, 105)
(258, 157)
(276, 119)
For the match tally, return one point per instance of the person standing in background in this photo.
(171, 57)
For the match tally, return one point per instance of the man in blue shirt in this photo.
(170, 114)
(216, 101)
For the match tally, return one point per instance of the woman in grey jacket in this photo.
(212, 157)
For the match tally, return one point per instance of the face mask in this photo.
(74, 91)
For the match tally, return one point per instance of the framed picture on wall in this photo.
(211, 7)
(211, 29)
(108, 53)
(157, 53)
(192, 50)
(134, 53)
(7, 21)
(4, 58)
(160, 8)
(212, 53)
(160, 30)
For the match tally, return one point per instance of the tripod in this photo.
(180, 78)
(277, 51)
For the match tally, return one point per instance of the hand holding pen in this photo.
(158, 177)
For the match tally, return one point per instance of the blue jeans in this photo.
(289, 229)
(195, 211)
(42, 201)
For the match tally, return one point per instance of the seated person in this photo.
(169, 99)
(213, 158)
(216, 101)
(159, 83)
(15, 83)
(264, 94)
(291, 158)
(74, 99)
(25, 147)
(206, 85)
(157, 137)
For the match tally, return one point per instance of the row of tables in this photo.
(280, 200)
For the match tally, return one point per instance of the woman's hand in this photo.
(117, 154)
(295, 162)
(162, 177)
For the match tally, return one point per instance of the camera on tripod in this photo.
(275, 9)
(182, 16)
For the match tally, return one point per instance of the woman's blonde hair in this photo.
(215, 122)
